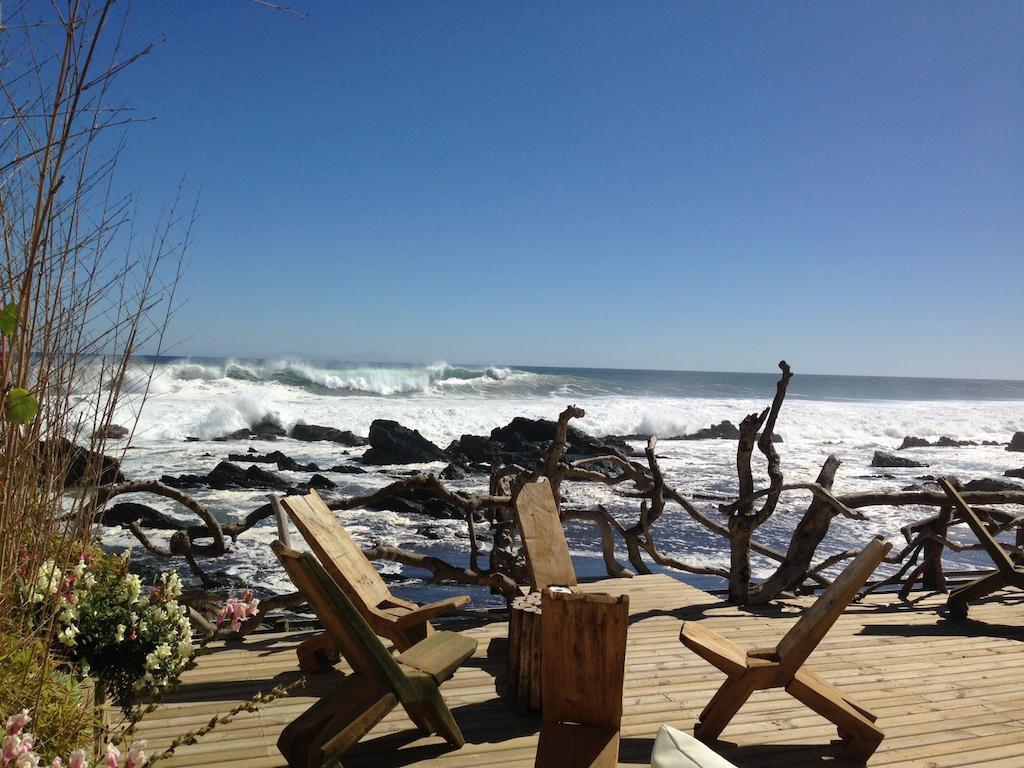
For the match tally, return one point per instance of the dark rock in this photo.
(1016, 442)
(347, 469)
(419, 502)
(112, 432)
(227, 475)
(284, 462)
(453, 472)
(882, 459)
(943, 442)
(429, 532)
(992, 484)
(913, 442)
(474, 448)
(83, 467)
(314, 432)
(268, 427)
(1014, 472)
(129, 512)
(724, 430)
(320, 482)
(192, 439)
(391, 443)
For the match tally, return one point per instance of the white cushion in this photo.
(675, 749)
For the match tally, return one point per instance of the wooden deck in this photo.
(945, 694)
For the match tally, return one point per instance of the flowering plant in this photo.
(133, 643)
(236, 611)
(18, 750)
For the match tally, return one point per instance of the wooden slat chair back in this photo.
(783, 666)
(1007, 572)
(582, 667)
(378, 681)
(402, 622)
(543, 537)
(812, 626)
(337, 550)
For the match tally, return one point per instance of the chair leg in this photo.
(723, 707)
(432, 711)
(354, 707)
(317, 653)
(959, 600)
(856, 727)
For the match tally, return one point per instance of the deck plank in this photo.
(945, 694)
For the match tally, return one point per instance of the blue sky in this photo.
(709, 186)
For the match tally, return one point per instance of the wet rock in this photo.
(227, 475)
(882, 459)
(724, 430)
(347, 469)
(419, 503)
(943, 442)
(83, 467)
(429, 532)
(1014, 472)
(127, 512)
(320, 482)
(523, 441)
(112, 432)
(1016, 442)
(453, 472)
(992, 484)
(283, 461)
(391, 443)
(315, 432)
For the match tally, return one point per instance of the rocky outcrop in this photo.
(992, 484)
(724, 430)
(265, 429)
(1014, 472)
(283, 461)
(129, 512)
(229, 476)
(391, 443)
(882, 459)
(112, 432)
(523, 441)
(943, 442)
(347, 469)
(313, 433)
(319, 482)
(1016, 442)
(420, 502)
(81, 466)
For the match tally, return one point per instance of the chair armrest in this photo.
(712, 647)
(430, 610)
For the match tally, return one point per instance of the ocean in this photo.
(200, 399)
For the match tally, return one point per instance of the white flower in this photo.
(119, 633)
(133, 586)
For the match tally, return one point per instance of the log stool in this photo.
(524, 642)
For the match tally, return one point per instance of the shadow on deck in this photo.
(945, 694)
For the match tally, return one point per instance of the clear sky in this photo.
(682, 185)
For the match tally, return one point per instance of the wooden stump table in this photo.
(524, 653)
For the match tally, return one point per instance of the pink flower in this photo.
(77, 759)
(15, 723)
(136, 757)
(11, 747)
(113, 756)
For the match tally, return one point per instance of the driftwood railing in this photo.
(735, 522)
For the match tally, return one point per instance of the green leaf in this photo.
(21, 406)
(9, 319)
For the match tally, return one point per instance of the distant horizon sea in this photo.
(849, 416)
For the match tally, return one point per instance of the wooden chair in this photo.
(1007, 573)
(402, 622)
(378, 682)
(782, 666)
(584, 659)
(547, 552)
